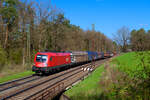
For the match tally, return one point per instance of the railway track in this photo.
(37, 87)
(18, 82)
(29, 85)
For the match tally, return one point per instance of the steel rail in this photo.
(16, 80)
(12, 86)
(21, 91)
(51, 85)
(31, 96)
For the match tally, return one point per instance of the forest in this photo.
(27, 28)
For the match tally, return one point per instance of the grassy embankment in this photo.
(11, 72)
(128, 77)
(125, 78)
(131, 64)
(15, 76)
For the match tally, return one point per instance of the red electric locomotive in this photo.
(46, 62)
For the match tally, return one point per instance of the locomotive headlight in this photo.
(45, 65)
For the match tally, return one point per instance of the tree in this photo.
(139, 40)
(9, 15)
(122, 38)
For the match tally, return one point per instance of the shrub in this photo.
(117, 85)
(15, 56)
(130, 77)
(3, 58)
(143, 62)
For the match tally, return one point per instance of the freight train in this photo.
(47, 62)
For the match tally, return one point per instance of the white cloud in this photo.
(143, 25)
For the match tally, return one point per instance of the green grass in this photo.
(15, 76)
(131, 64)
(87, 89)
(127, 63)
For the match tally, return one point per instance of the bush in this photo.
(144, 62)
(33, 55)
(15, 56)
(116, 85)
(129, 78)
(3, 58)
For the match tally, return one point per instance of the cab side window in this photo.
(51, 58)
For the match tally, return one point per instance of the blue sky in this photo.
(107, 15)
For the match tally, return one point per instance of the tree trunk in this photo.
(6, 37)
(40, 40)
(23, 58)
(2, 32)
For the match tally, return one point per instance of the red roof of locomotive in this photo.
(53, 53)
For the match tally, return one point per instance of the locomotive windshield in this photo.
(41, 58)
